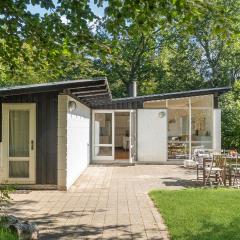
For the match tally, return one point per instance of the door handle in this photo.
(32, 145)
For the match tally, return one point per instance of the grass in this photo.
(6, 235)
(200, 214)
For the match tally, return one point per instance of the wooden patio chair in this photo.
(235, 170)
(216, 172)
(198, 156)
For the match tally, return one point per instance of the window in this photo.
(103, 128)
(18, 169)
(182, 140)
(178, 133)
(202, 127)
(18, 133)
(202, 101)
(155, 104)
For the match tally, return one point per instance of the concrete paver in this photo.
(106, 202)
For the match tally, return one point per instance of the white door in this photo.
(103, 135)
(152, 135)
(133, 138)
(19, 143)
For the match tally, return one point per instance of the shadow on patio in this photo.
(176, 182)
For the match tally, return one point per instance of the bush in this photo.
(5, 191)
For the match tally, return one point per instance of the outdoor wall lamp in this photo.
(161, 114)
(72, 106)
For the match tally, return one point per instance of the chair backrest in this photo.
(233, 161)
(219, 160)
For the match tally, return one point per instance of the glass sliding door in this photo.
(103, 134)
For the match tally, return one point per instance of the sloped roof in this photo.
(137, 102)
(87, 91)
(96, 93)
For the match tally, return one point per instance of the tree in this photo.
(36, 48)
(131, 58)
(230, 105)
(166, 50)
(149, 15)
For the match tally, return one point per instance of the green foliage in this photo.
(230, 105)
(5, 191)
(130, 58)
(201, 51)
(166, 46)
(5, 197)
(200, 214)
(34, 48)
(148, 15)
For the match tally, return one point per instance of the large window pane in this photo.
(18, 133)
(19, 169)
(155, 104)
(178, 150)
(178, 124)
(178, 133)
(202, 101)
(201, 145)
(178, 103)
(201, 125)
(103, 128)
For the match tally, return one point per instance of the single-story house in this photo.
(51, 132)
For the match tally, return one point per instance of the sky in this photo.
(37, 9)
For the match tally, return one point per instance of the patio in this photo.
(107, 202)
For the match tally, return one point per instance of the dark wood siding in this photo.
(46, 133)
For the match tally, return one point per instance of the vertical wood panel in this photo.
(46, 135)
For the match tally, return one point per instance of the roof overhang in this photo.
(87, 91)
(95, 93)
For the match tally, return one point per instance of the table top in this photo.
(233, 157)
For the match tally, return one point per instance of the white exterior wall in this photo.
(73, 141)
(152, 135)
(217, 130)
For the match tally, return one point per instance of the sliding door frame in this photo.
(94, 145)
(113, 134)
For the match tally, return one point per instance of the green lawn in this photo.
(200, 214)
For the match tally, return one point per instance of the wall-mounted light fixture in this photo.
(72, 106)
(161, 114)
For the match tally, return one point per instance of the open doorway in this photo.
(122, 132)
